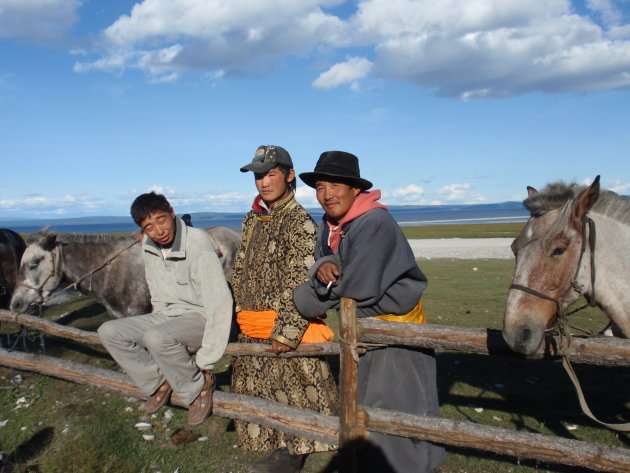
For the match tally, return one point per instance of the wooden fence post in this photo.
(351, 429)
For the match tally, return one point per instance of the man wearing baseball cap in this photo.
(276, 251)
(363, 255)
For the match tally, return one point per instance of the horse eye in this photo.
(558, 251)
(33, 265)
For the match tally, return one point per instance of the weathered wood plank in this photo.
(49, 327)
(608, 351)
(325, 428)
(84, 336)
(519, 444)
(597, 350)
(350, 429)
(293, 420)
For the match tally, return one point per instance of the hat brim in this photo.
(310, 178)
(258, 167)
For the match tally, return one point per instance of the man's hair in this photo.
(285, 172)
(146, 204)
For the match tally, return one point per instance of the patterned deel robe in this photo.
(275, 254)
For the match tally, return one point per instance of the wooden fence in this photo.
(355, 422)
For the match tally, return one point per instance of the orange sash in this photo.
(259, 324)
(415, 315)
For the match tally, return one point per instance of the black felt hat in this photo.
(337, 166)
(268, 157)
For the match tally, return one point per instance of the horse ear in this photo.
(531, 191)
(49, 242)
(584, 202)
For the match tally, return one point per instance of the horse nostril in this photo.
(524, 336)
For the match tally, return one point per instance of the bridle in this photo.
(562, 318)
(587, 222)
(55, 257)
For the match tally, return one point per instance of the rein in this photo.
(562, 321)
(73, 285)
(96, 269)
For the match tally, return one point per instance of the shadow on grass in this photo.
(26, 451)
(87, 312)
(532, 395)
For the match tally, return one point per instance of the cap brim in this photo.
(258, 167)
(311, 178)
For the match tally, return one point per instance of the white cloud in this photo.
(350, 71)
(213, 35)
(167, 191)
(305, 195)
(619, 187)
(469, 49)
(37, 21)
(411, 194)
(454, 191)
(52, 205)
(607, 10)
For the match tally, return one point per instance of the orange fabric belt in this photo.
(416, 315)
(259, 324)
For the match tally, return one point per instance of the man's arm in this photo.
(289, 326)
(209, 280)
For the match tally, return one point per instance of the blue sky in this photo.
(450, 102)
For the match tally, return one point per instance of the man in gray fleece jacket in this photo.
(192, 312)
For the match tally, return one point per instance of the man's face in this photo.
(160, 227)
(336, 198)
(272, 185)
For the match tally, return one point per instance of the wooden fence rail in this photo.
(356, 422)
(325, 428)
(608, 351)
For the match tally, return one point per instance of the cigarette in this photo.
(329, 284)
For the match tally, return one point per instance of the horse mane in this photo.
(556, 194)
(79, 237)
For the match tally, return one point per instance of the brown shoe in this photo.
(160, 397)
(200, 408)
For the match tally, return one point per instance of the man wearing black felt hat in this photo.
(362, 254)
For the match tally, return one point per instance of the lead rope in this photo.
(565, 334)
(562, 321)
(90, 273)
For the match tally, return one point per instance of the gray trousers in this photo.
(155, 347)
(399, 379)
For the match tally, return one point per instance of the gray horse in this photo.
(106, 267)
(12, 247)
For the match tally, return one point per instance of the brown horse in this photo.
(12, 247)
(576, 242)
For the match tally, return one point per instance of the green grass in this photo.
(473, 230)
(72, 428)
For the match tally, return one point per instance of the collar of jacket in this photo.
(283, 204)
(178, 250)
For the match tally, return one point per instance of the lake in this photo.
(404, 215)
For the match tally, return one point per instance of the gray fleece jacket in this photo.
(191, 279)
(377, 266)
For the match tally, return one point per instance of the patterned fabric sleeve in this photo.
(239, 261)
(299, 246)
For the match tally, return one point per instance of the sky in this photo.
(449, 102)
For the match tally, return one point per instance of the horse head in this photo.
(40, 272)
(550, 261)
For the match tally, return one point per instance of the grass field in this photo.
(51, 426)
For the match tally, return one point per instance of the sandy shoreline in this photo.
(462, 248)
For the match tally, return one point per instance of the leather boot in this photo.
(279, 461)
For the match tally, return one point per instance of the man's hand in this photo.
(328, 273)
(279, 347)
